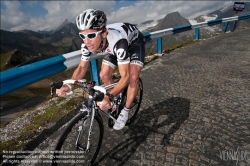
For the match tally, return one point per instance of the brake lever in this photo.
(52, 89)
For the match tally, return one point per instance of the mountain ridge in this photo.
(16, 58)
(171, 20)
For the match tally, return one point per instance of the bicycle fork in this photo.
(82, 127)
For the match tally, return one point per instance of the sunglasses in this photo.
(90, 36)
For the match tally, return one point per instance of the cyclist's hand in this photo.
(105, 104)
(62, 91)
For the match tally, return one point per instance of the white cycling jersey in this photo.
(119, 39)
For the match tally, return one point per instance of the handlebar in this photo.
(82, 83)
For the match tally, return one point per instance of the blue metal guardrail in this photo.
(19, 77)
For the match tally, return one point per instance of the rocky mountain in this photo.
(17, 58)
(175, 19)
(63, 40)
(224, 13)
(150, 25)
(171, 20)
(46, 32)
(147, 26)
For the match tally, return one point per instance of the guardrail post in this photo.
(197, 33)
(159, 45)
(226, 27)
(94, 71)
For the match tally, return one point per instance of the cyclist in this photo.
(125, 47)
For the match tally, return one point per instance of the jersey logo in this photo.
(84, 50)
(121, 53)
(114, 29)
(134, 56)
(108, 50)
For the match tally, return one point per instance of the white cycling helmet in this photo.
(91, 19)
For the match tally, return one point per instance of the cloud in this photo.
(57, 12)
(31, 3)
(146, 10)
(153, 15)
(12, 18)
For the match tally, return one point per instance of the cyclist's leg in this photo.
(133, 84)
(109, 63)
(137, 52)
(132, 91)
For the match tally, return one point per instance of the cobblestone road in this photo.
(195, 109)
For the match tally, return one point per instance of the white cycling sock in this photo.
(126, 109)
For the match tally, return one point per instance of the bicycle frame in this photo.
(92, 110)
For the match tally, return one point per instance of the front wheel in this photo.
(69, 151)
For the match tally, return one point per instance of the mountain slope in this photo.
(63, 40)
(16, 58)
(225, 12)
(171, 20)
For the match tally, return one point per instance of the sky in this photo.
(48, 15)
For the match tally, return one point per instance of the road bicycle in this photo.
(81, 140)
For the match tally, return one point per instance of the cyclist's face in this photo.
(92, 39)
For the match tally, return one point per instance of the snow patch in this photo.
(192, 21)
(143, 27)
(209, 18)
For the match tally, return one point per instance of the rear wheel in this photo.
(68, 153)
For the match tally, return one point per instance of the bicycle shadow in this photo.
(162, 119)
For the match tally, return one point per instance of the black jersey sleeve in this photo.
(121, 51)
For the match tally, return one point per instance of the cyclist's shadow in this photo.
(162, 119)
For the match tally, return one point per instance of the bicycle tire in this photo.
(133, 112)
(66, 143)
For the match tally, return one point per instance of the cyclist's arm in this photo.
(81, 70)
